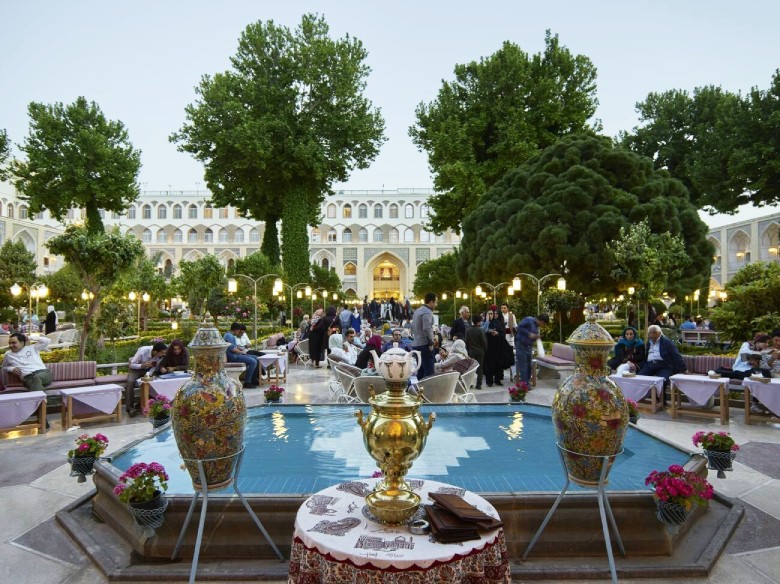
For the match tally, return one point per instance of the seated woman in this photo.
(365, 359)
(176, 358)
(629, 352)
(456, 352)
(342, 348)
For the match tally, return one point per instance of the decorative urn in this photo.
(589, 411)
(394, 433)
(209, 413)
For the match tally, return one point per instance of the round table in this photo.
(336, 540)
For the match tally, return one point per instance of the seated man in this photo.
(741, 367)
(689, 324)
(405, 344)
(25, 362)
(238, 354)
(662, 357)
(144, 362)
(347, 352)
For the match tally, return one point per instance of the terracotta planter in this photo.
(209, 414)
(589, 411)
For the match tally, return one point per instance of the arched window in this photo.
(223, 212)
(363, 211)
(223, 236)
(393, 235)
(131, 212)
(377, 211)
(254, 235)
(331, 211)
(146, 237)
(23, 212)
(1, 209)
(325, 263)
(346, 237)
(208, 211)
(350, 269)
(379, 236)
(162, 212)
(408, 235)
(10, 210)
(192, 212)
(347, 212)
(162, 236)
(363, 235)
(425, 236)
(238, 236)
(315, 235)
(114, 215)
(424, 211)
(332, 236)
(192, 236)
(393, 211)
(146, 212)
(208, 236)
(177, 211)
(409, 211)
(178, 236)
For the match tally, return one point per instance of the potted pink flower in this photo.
(676, 491)
(633, 411)
(158, 410)
(82, 458)
(273, 394)
(719, 448)
(518, 391)
(142, 488)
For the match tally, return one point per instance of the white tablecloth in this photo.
(767, 393)
(168, 387)
(15, 408)
(335, 524)
(698, 388)
(98, 397)
(636, 388)
(275, 358)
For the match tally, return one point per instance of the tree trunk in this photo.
(270, 245)
(93, 308)
(295, 241)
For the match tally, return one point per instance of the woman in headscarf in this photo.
(317, 334)
(476, 345)
(456, 353)
(365, 358)
(629, 352)
(494, 373)
(51, 320)
(176, 358)
(303, 329)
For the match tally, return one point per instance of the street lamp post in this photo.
(516, 284)
(233, 287)
(38, 290)
(280, 285)
(494, 288)
(313, 294)
(463, 293)
(135, 297)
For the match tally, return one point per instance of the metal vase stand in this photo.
(605, 511)
(204, 490)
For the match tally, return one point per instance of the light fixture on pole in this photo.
(36, 290)
(455, 295)
(233, 288)
(516, 284)
(279, 285)
(493, 288)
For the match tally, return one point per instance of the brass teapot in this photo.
(394, 433)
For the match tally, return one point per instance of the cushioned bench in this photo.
(561, 358)
(67, 374)
(701, 364)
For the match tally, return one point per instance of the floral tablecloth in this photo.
(336, 541)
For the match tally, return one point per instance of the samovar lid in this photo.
(591, 334)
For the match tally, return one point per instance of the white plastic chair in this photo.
(302, 351)
(465, 382)
(361, 385)
(347, 382)
(439, 389)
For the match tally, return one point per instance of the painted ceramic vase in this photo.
(589, 411)
(209, 413)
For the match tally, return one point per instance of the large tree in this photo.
(496, 114)
(276, 130)
(100, 260)
(77, 158)
(198, 279)
(723, 146)
(17, 266)
(565, 205)
(5, 153)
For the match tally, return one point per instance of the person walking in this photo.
(422, 333)
(525, 337)
(50, 325)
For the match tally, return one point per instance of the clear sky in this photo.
(140, 60)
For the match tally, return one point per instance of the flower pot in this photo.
(517, 399)
(589, 411)
(209, 414)
(160, 420)
(273, 400)
(670, 513)
(150, 513)
(80, 466)
(633, 419)
(720, 461)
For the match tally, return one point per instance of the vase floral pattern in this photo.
(209, 413)
(589, 411)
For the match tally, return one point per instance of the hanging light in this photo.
(511, 291)
(308, 290)
(232, 285)
(444, 296)
(561, 283)
(132, 296)
(299, 294)
(335, 296)
(16, 289)
(631, 290)
(145, 297)
(174, 325)
(458, 294)
(478, 290)
(516, 284)
(278, 284)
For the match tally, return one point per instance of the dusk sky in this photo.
(141, 60)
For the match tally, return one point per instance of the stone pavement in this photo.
(35, 484)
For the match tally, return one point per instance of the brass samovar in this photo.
(394, 435)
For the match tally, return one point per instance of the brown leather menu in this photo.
(465, 511)
(447, 528)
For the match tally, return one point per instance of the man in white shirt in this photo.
(143, 362)
(25, 361)
(348, 352)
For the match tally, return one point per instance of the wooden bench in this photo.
(91, 403)
(17, 407)
(561, 358)
(698, 336)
